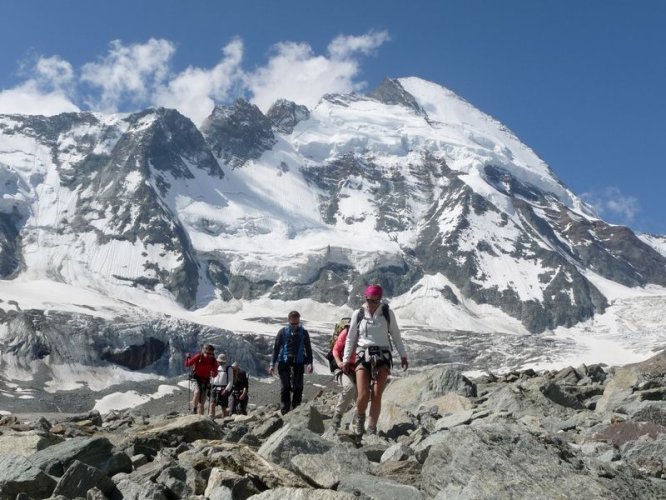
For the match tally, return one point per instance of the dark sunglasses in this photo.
(373, 301)
(294, 324)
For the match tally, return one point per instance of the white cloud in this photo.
(610, 203)
(195, 91)
(135, 76)
(296, 73)
(343, 46)
(54, 72)
(29, 99)
(46, 93)
(130, 72)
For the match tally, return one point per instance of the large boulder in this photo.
(179, 430)
(303, 494)
(305, 416)
(326, 470)
(377, 488)
(95, 451)
(241, 460)
(410, 392)
(79, 478)
(19, 475)
(627, 382)
(290, 441)
(504, 461)
(26, 443)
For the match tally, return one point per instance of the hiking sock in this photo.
(359, 425)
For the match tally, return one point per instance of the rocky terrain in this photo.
(584, 432)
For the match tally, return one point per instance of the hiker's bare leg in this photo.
(377, 391)
(363, 389)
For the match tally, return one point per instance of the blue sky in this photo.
(581, 82)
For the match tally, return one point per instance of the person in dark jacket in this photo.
(204, 366)
(292, 353)
(239, 397)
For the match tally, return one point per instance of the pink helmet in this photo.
(373, 290)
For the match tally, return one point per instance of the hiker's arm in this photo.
(394, 331)
(276, 350)
(352, 337)
(339, 347)
(243, 393)
(192, 360)
(308, 350)
(230, 380)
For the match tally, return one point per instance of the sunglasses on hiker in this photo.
(373, 301)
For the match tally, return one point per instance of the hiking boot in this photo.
(359, 425)
(372, 429)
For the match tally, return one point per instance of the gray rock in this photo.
(428, 385)
(305, 416)
(405, 472)
(79, 478)
(289, 441)
(26, 443)
(326, 470)
(649, 411)
(96, 494)
(303, 494)
(94, 451)
(183, 429)
(619, 389)
(395, 420)
(242, 461)
(377, 488)
(375, 449)
(220, 493)
(19, 475)
(141, 489)
(267, 427)
(647, 454)
(396, 453)
(175, 480)
(454, 420)
(500, 461)
(221, 481)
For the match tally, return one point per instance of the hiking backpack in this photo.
(337, 330)
(344, 323)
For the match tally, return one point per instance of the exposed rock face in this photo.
(238, 133)
(285, 115)
(158, 344)
(392, 92)
(533, 447)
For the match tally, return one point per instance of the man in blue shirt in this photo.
(292, 352)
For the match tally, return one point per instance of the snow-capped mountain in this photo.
(129, 217)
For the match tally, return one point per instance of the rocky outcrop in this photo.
(515, 436)
(238, 133)
(285, 115)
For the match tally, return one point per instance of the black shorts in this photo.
(203, 384)
(381, 356)
(220, 397)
